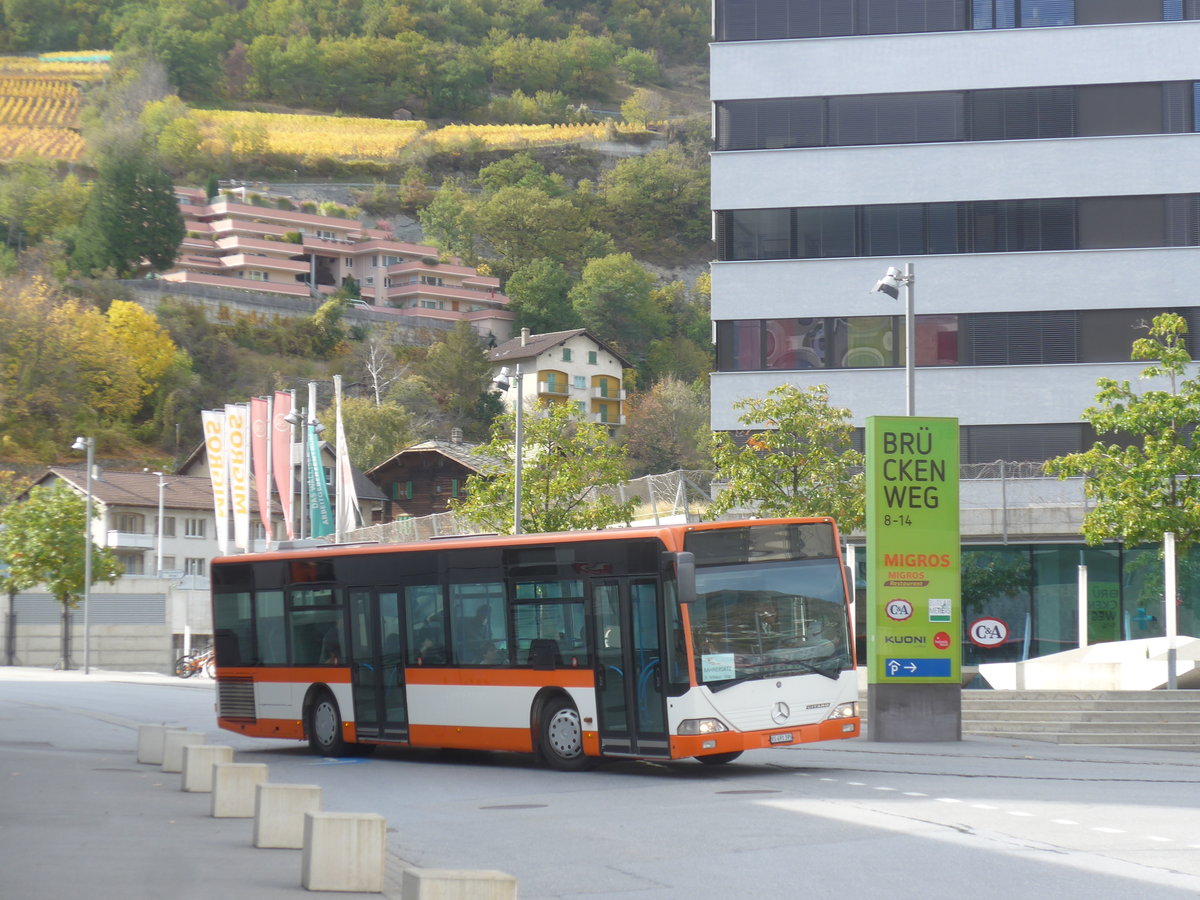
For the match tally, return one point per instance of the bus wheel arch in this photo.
(323, 722)
(557, 731)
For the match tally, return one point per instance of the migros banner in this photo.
(914, 601)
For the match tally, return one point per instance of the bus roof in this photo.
(663, 532)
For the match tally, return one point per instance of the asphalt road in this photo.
(982, 819)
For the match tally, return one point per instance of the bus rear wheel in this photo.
(325, 727)
(719, 759)
(562, 736)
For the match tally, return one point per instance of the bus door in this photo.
(377, 665)
(629, 666)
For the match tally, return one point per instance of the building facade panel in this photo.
(1151, 278)
(967, 59)
(945, 172)
(1014, 394)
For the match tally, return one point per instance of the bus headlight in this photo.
(844, 711)
(701, 726)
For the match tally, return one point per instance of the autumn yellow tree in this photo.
(145, 342)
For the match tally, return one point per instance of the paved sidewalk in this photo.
(94, 824)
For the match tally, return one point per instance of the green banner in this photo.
(319, 510)
(914, 599)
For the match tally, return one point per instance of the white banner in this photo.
(347, 516)
(218, 471)
(237, 433)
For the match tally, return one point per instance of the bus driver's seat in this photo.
(544, 654)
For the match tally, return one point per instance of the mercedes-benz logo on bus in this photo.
(780, 713)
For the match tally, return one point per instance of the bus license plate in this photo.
(785, 738)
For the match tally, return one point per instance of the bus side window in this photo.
(426, 616)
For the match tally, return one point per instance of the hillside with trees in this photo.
(578, 237)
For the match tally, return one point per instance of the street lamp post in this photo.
(890, 284)
(88, 444)
(158, 568)
(503, 382)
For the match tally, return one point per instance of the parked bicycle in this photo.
(194, 663)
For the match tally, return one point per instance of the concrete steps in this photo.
(1164, 720)
(1168, 720)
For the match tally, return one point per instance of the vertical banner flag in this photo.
(260, 443)
(346, 515)
(218, 471)
(281, 458)
(914, 593)
(320, 512)
(237, 433)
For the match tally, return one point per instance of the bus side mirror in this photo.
(685, 576)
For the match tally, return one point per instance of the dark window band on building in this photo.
(978, 226)
(1035, 337)
(764, 20)
(1005, 114)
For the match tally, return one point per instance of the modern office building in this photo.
(1032, 159)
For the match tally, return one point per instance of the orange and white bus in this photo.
(655, 643)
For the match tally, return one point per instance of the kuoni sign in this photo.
(914, 607)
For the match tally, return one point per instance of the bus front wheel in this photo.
(562, 736)
(325, 726)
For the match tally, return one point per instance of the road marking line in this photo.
(856, 783)
(983, 806)
(1109, 830)
(1155, 837)
(1064, 821)
(1017, 812)
(914, 794)
(885, 789)
(948, 800)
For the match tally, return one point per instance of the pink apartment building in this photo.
(232, 244)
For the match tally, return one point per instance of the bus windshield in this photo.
(768, 619)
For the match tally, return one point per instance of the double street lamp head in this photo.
(890, 283)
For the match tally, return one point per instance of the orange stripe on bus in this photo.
(462, 737)
(289, 729)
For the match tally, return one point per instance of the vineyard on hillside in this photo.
(313, 137)
(39, 105)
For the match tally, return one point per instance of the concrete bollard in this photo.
(173, 743)
(458, 884)
(198, 762)
(150, 744)
(279, 811)
(343, 852)
(234, 788)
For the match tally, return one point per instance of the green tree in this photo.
(457, 369)
(539, 293)
(131, 215)
(1140, 475)
(373, 432)
(41, 541)
(522, 224)
(566, 464)
(450, 221)
(657, 203)
(666, 428)
(798, 460)
(613, 300)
